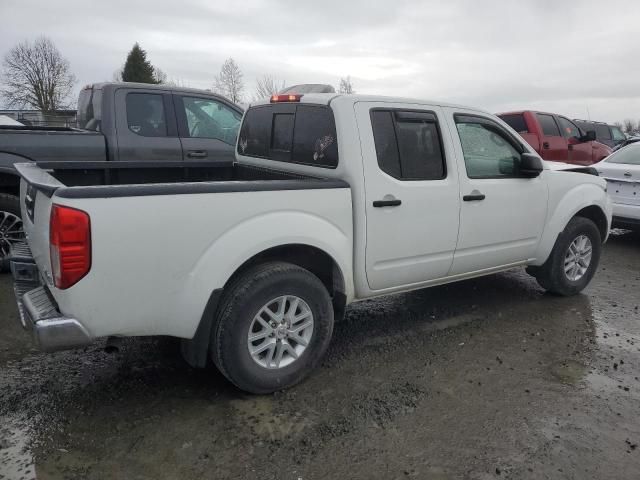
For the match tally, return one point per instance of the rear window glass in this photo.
(516, 121)
(90, 109)
(549, 125)
(408, 144)
(145, 114)
(304, 134)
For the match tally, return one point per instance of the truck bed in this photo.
(122, 179)
(53, 143)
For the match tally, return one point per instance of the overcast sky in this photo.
(568, 57)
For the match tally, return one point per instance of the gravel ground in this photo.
(489, 378)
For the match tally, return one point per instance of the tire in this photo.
(244, 300)
(552, 276)
(9, 207)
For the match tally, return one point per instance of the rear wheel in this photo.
(573, 260)
(274, 324)
(11, 230)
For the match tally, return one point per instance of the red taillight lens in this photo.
(285, 98)
(70, 244)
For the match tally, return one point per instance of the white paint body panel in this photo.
(156, 259)
(623, 181)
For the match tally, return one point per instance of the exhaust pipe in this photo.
(113, 344)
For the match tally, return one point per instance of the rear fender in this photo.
(255, 235)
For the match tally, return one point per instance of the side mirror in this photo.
(590, 136)
(530, 165)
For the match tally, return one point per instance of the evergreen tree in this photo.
(137, 68)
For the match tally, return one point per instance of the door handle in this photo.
(474, 197)
(570, 147)
(545, 145)
(387, 203)
(197, 154)
(627, 174)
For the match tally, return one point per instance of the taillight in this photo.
(286, 98)
(70, 244)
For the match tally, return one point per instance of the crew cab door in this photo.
(411, 189)
(579, 152)
(146, 126)
(208, 127)
(553, 146)
(502, 214)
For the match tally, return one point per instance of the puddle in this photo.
(569, 372)
(16, 459)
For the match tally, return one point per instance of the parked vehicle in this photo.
(628, 141)
(610, 135)
(556, 138)
(621, 170)
(333, 199)
(121, 122)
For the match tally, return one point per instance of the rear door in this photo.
(208, 127)
(412, 198)
(146, 126)
(553, 145)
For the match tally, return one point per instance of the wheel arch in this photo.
(312, 258)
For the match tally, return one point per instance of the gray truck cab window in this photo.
(146, 115)
(207, 118)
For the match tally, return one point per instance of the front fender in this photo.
(257, 234)
(563, 206)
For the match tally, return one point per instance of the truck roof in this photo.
(327, 98)
(104, 85)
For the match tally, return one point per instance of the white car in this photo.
(621, 170)
(333, 199)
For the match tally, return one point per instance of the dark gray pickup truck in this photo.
(120, 122)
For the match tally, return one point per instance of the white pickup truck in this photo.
(332, 199)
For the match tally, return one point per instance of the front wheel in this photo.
(573, 260)
(11, 231)
(274, 324)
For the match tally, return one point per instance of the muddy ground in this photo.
(490, 378)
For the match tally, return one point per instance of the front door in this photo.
(412, 199)
(580, 153)
(208, 128)
(502, 215)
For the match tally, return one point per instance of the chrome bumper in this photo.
(38, 311)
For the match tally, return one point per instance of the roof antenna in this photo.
(588, 114)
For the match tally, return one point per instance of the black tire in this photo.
(551, 275)
(242, 301)
(9, 204)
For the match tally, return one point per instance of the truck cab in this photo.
(556, 138)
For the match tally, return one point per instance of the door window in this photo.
(408, 144)
(489, 151)
(617, 134)
(569, 129)
(628, 155)
(207, 118)
(603, 132)
(145, 114)
(549, 125)
(516, 121)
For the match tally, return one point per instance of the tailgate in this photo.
(36, 191)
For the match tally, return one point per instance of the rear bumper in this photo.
(38, 311)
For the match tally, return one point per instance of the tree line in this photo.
(36, 75)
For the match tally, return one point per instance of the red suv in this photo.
(556, 138)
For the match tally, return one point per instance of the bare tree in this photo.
(346, 86)
(629, 125)
(267, 86)
(37, 75)
(229, 81)
(619, 125)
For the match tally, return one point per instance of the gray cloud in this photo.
(498, 55)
